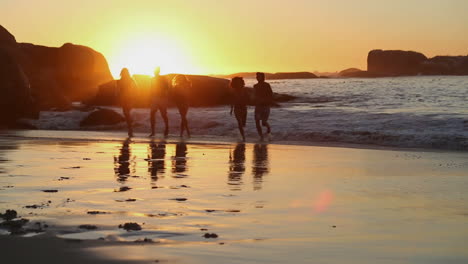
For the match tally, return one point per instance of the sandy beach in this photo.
(228, 202)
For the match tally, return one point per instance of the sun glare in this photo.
(141, 55)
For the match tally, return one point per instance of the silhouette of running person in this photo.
(180, 86)
(263, 98)
(239, 103)
(126, 87)
(159, 99)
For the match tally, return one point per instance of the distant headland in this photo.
(383, 63)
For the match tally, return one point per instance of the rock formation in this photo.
(273, 76)
(102, 117)
(56, 76)
(390, 63)
(16, 100)
(395, 62)
(206, 91)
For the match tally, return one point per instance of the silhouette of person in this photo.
(239, 103)
(180, 159)
(159, 99)
(180, 86)
(263, 99)
(122, 162)
(126, 87)
(156, 162)
(236, 166)
(260, 164)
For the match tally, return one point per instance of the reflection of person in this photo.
(236, 166)
(181, 85)
(180, 158)
(239, 103)
(122, 162)
(156, 163)
(260, 164)
(126, 87)
(263, 99)
(159, 100)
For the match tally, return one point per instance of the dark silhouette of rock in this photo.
(130, 226)
(37, 77)
(407, 63)
(102, 117)
(445, 65)
(206, 91)
(290, 75)
(6, 38)
(273, 76)
(348, 72)
(77, 70)
(395, 62)
(360, 74)
(16, 100)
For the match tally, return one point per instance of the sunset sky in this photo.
(218, 36)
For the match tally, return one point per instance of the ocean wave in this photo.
(320, 125)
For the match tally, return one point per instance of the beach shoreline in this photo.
(118, 136)
(265, 202)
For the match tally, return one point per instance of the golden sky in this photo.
(226, 36)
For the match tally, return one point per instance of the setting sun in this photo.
(143, 52)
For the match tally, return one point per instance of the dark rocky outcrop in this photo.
(357, 73)
(102, 117)
(349, 72)
(290, 75)
(409, 63)
(445, 65)
(273, 76)
(206, 91)
(37, 77)
(395, 62)
(76, 70)
(16, 100)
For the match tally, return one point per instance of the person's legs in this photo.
(259, 128)
(241, 128)
(163, 111)
(182, 119)
(241, 116)
(258, 117)
(267, 125)
(128, 119)
(244, 117)
(265, 117)
(153, 121)
(186, 121)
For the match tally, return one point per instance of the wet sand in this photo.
(230, 203)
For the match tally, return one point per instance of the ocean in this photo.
(428, 112)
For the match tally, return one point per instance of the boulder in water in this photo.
(102, 117)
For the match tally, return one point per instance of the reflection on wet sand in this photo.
(5, 146)
(122, 163)
(179, 161)
(156, 162)
(260, 165)
(236, 167)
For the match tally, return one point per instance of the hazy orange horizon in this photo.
(222, 37)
